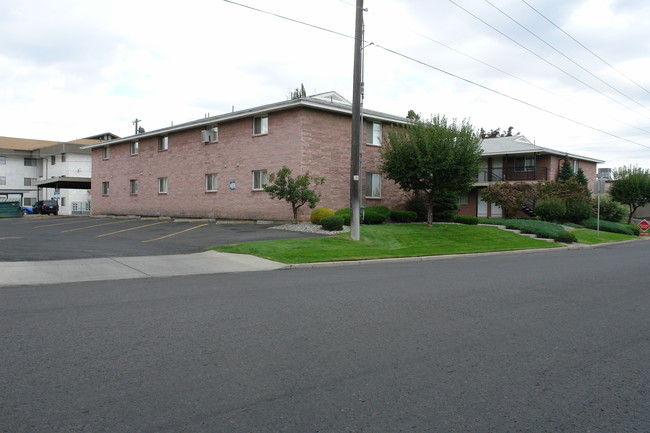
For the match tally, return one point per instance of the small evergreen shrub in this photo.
(551, 209)
(565, 237)
(417, 204)
(471, 220)
(384, 210)
(332, 223)
(319, 214)
(373, 217)
(635, 228)
(403, 216)
(344, 211)
(610, 210)
(577, 211)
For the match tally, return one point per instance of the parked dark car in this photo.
(46, 207)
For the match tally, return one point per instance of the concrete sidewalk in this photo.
(118, 268)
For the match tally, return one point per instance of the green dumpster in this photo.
(10, 208)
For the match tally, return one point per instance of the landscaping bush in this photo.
(445, 208)
(344, 211)
(417, 204)
(471, 220)
(403, 216)
(384, 210)
(565, 237)
(543, 229)
(608, 226)
(577, 211)
(550, 209)
(635, 228)
(319, 214)
(371, 216)
(332, 223)
(610, 210)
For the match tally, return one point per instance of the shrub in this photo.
(417, 204)
(445, 208)
(607, 226)
(635, 228)
(319, 214)
(346, 219)
(577, 211)
(543, 229)
(344, 211)
(550, 209)
(371, 216)
(565, 237)
(403, 216)
(471, 220)
(610, 210)
(384, 210)
(332, 223)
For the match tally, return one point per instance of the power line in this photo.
(543, 59)
(565, 56)
(450, 74)
(579, 43)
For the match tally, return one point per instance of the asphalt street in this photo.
(552, 341)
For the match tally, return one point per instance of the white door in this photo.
(481, 208)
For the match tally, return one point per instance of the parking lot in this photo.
(42, 237)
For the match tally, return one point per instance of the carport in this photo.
(65, 182)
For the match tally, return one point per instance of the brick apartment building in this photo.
(215, 167)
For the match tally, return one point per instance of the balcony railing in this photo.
(500, 174)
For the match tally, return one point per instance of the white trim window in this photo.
(373, 133)
(163, 143)
(106, 152)
(3, 160)
(211, 182)
(3, 180)
(105, 187)
(210, 135)
(260, 125)
(133, 186)
(135, 147)
(373, 185)
(260, 178)
(162, 185)
(30, 162)
(29, 181)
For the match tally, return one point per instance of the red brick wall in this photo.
(301, 139)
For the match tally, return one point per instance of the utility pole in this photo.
(355, 160)
(135, 122)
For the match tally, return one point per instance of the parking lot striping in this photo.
(132, 228)
(177, 233)
(61, 224)
(96, 225)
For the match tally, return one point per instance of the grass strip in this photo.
(592, 237)
(389, 241)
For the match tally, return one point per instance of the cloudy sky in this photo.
(71, 69)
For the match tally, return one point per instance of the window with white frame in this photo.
(29, 181)
(53, 159)
(259, 179)
(373, 185)
(463, 198)
(373, 133)
(63, 157)
(62, 201)
(3, 180)
(105, 188)
(107, 152)
(211, 182)
(163, 143)
(135, 147)
(210, 135)
(3, 160)
(525, 163)
(260, 125)
(29, 201)
(162, 185)
(133, 186)
(31, 162)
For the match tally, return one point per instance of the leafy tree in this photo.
(571, 190)
(299, 92)
(566, 172)
(581, 178)
(510, 196)
(631, 187)
(412, 115)
(435, 157)
(293, 190)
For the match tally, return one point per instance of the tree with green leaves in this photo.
(581, 178)
(295, 191)
(510, 196)
(566, 172)
(413, 116)
(436, 157)
(631, 187)
(299, 92)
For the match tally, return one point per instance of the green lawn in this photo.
(388, 240)
(592, 237)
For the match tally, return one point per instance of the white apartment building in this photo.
(33, 170)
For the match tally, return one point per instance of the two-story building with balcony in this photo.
(516, 159)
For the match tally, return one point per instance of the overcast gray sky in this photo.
(70, 69)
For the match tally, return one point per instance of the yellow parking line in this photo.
(59, 224)
(95, 225)
(132, 228)
(177, 233)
